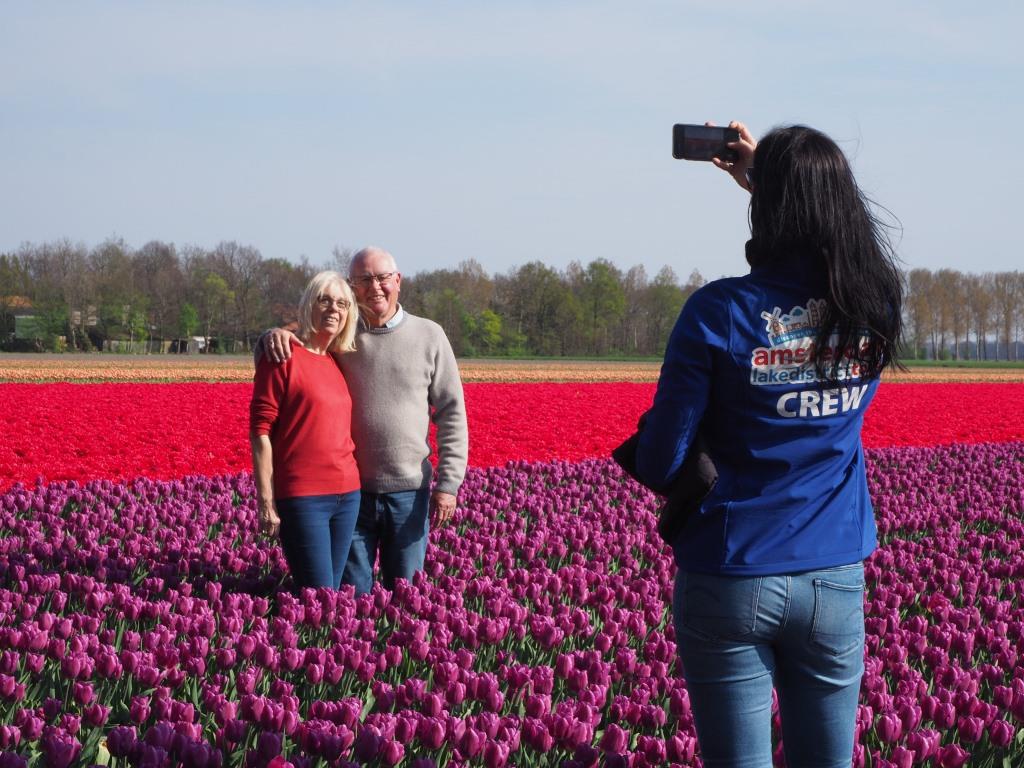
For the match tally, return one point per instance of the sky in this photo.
(505, 132)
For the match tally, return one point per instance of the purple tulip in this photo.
(392, 752)
(30, 724)
(51, 709)
(59, 750)
(199, 754)
(681, 748)
(945, 715)
(888, 728)
(268, 745)
(368, 744)
(471, 743)
(96, 715)
(70, 724)
(12, 760)
(970, 729)
(537, 736)
(952, 756)
(145, 755)
(431, 733)
(83, 693)
(586, 756)
(10, 736)
(615, 739)
(121, 739)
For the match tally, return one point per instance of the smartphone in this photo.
(703, 142)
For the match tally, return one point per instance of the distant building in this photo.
(23, 312)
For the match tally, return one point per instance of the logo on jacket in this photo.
(788, 357)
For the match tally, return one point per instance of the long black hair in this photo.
(806, 204)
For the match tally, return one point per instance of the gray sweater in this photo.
(400, 379)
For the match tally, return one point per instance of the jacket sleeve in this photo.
(449, 414)
(684, 388)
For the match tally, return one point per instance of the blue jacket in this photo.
(792, 491)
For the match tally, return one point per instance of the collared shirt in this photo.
(395, 319)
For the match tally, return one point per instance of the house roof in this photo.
(16, 303)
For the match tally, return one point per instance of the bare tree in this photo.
(281, 283)
(1006, 300)
(949, 288)
(979, 301)
(158, 275)
(341, 260)
(918, 308)
(664, 301)
(1018, 315)
(634, 318)
(238, 266)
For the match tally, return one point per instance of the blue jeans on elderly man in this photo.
(395, 526)
(802, 633)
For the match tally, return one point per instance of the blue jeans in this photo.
(802, 632)
(396, 524)
(316, 533)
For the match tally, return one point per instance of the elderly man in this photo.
(402, 375)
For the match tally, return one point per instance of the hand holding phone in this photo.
(703, 142)
(730, 148)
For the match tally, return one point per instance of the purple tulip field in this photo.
(147, 623)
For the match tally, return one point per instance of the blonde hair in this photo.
(346, 338)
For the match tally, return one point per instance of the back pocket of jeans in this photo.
(838, 616)
(719, 607)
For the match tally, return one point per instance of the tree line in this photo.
(953, 315)
(65, 295)
(153, 298)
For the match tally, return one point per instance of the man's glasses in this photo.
(326, 302)
(365, 281)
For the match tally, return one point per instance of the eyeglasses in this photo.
(749, 174)
(365, 281)
(326, 302)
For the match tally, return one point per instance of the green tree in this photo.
(487, 334)
(113, 278)
(538, 307)
(281, 283)
(215, 299)
(138, 327)
(15, 287)
(51, 324)
(603, 301)
(156, 272)
(188, 319)
(664, 299)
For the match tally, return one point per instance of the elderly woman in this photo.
(307, 481)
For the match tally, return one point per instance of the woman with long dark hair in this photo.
(776, 369)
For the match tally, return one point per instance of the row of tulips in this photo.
(167, 431)
(148, 624)
(214, 368)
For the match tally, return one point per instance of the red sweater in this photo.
(305, 407)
